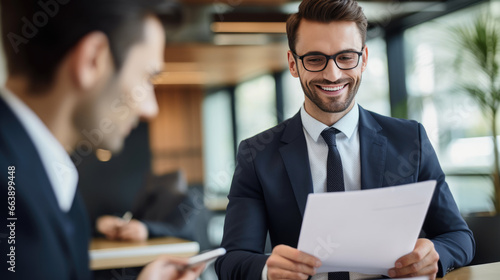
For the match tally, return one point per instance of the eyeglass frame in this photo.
(328, 57)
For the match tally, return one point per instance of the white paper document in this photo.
(364, 231)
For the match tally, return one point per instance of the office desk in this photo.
(106, 254)
(489, 271)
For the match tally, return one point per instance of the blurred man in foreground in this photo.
(79, 76)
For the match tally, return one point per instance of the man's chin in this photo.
(333, 105)
(115, 146)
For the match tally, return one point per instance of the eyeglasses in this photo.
(345, 60)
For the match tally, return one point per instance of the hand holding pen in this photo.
(124, 228)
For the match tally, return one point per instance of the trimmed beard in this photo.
(334, 105)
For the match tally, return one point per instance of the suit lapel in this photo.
(373, 148)
(41, 192)
(296, 161)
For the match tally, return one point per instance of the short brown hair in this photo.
(326, 11)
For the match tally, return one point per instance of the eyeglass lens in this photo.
(318, 62)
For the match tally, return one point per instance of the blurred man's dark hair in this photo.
(37, 34)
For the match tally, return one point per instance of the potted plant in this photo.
(479, 47)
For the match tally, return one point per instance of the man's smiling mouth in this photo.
(330, 88)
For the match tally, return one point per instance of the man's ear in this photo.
(365, 59)
(292, 64)
(90, 61)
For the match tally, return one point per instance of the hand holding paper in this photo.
(289, 262)
(422, 261)
(364, 231)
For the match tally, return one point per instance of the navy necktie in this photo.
(334, 173)
(334, 179)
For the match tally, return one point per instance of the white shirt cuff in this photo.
(264, 273)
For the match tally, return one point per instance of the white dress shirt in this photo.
(60, 170)
(347, 144)
(317, 149)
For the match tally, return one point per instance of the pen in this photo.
(127, 217)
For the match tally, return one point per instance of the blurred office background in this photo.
(226, 79)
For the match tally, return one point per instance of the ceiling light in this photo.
(248, 27)
(241, 39)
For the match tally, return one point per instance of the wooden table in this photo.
(106, 254)
(489, 271)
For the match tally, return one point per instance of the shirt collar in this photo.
(60, 170)
(347, 124)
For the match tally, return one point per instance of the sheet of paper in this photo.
(364, 231)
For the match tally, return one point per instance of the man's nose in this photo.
(332, 72)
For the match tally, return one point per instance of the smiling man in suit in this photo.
(79, 76)
(332, 144)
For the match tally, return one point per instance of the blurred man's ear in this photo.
(90, 61)
(292, 64)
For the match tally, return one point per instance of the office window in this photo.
(373, 93)
(218, 147)
(455, 124)
(293, 96)
(255, 106)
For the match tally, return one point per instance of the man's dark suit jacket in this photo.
(273, 178)
(49, 244)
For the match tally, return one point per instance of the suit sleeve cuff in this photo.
(264, 273)
(444, 263)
